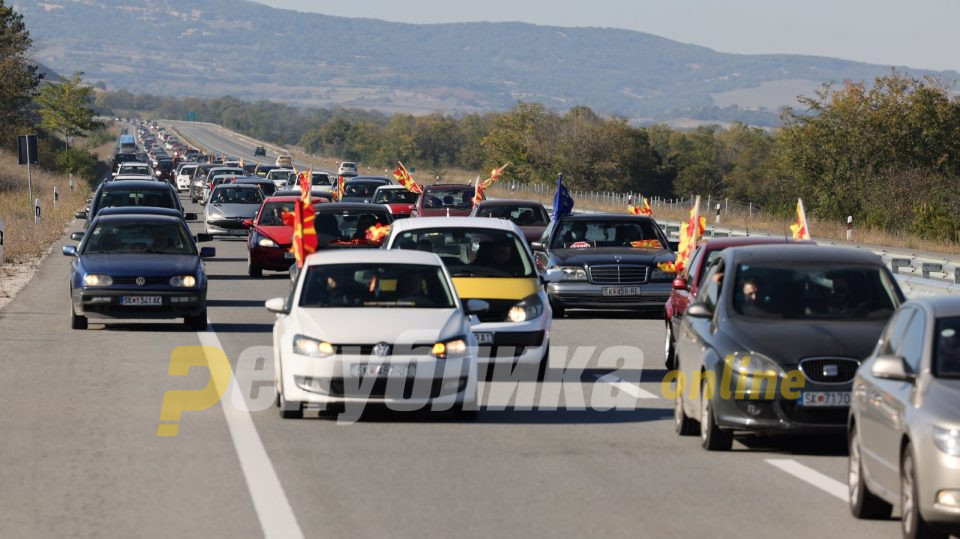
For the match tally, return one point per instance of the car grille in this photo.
(417, 349)
(618, 274)
(133, 281)
(829, 370)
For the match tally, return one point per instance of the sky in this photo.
(914, 33)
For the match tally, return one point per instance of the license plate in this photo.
(825, 399)
(288, 255)
(484, 337)
(383, 371)
(141, 300)
(621, 291)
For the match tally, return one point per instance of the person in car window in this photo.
(751, 300)
(577, 232)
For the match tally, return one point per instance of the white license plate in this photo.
(484, 337)
(383, 371)
(621, 291)
(825, 399)
(288, 255)
(141, 300)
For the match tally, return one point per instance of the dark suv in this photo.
(260, 151)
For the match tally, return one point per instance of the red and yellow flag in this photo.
(405, 179)
(640, 209)
(690, 233)
(799, 228)
(302, 220)
(377, 233)
(340, 185)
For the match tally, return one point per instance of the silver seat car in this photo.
(904, 426)
(230, 205)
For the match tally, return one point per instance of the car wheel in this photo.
(253, 270)
(683, 424)
(669, 349)
(911, 521)
(863, 503)
(197, 323)
(77, 321)
(712, 438)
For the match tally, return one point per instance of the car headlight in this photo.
(183, 281)
(947, 440)
(305, 346)
(528, 308)
(96, 279)
(453, 348)
(266, 242)
(574, 273)
(659, 275)
(752, 365)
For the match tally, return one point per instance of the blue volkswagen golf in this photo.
(138, 266)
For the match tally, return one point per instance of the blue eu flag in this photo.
(562, 201)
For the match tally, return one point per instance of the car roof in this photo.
(153, 185)
(296, 193)
(940, 306)
(394, 256)
(140, 210)
(334, 206)
(134, 163)
(287, 198)
(509, 202)
(605, 217)
(454, 222)
(368, 179)
(391, 186)
(795, 254)
(461, 186)
(129, 177)
(249, 185)
(253, 180)
(145, 217)
(717, 244)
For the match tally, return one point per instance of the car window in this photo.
(946, 348)
(376, 286)
(272, 213)
(395, 196)
(448, 198)
(528, 215)
(347, 225)
(608, 233)
(911, 347)
(125, 237)
(472, 252)
(711, 285)
(236, 195)
(815, 291)
(694, 266)
(893, 333)
(122, 198)
(360, 189)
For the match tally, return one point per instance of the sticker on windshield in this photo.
(949, 332)
(580, 245)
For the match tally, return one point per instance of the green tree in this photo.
(18, 77)
(64, 107)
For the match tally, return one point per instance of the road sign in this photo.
(191, 116)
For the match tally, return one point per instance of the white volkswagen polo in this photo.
(374, 326)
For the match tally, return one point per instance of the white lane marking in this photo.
(825, 483)
(270, 502)
(630, 389)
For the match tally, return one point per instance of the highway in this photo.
(81, 457)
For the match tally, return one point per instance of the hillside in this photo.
(253, 51)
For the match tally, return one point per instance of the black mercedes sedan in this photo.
(609, 261)
(774, 339)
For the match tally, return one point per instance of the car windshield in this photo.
(279, 174)
(360, 189)
(237, 195)
(821, 291)
(272, 213)
(580, 234)
(946, 348)
(225, 172)
(519, 215)
(132, 237)
(122, 198)
(376, 285)
(470, 252)
(135, 169)
(268, 188)
(347, 225)
(320, 179)
(395, 196)
(448, 198)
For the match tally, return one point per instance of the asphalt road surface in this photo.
(80, 455)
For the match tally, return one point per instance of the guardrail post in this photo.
(849, 227)
(897, 263)
(956, 275)
(927, 268)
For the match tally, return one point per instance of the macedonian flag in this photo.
(799, 228)
(405, 179)
(690, 233)
(377, 233)
(640, 209)
(301, 219)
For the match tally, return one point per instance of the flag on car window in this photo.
(302, 220)
(405, 179)
(690, 232)
(640, 209)
(799, 228)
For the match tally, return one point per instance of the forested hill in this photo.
(252, 51)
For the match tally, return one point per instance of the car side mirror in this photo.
(69, 250)
(208, 252)
(204, 238)
(247, 223)
(700, 310)
(552, 275)
(537, 246)
(477, 306)
(276, 305)
(76, 236)
(680, 283)
(891, 368)
(80, 215)
(190, 217)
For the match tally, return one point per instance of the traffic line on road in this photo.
(630, 389)
(805, 473)
(269, 500)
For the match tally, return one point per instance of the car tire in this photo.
(712, 438)
(77, 321)
(253, 270)
(912, 523)
(670, 349)
(863, 502)
(683, 424)
(197, 323)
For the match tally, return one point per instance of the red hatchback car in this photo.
(445, 200)
(688, 281)
(268, 244)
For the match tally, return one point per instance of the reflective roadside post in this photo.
(1, 241)
(849, 227)
(36, 212)
(56, 197)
